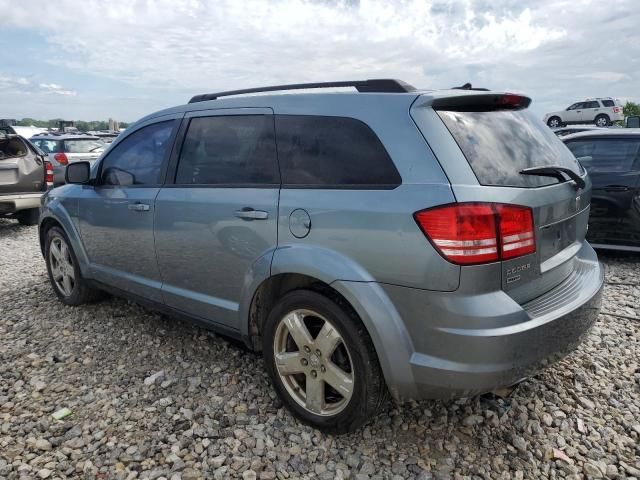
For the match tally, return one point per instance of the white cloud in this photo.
(56, 89)
(190, 46)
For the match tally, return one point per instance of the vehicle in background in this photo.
(105, 136)
(562, 131)
(65, 148)
(633, 122)
(9, 126)
(434, 251)
(612, 158)
(25, 175)
(599, 111)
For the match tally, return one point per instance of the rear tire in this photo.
(554, 122)
(64, 273)
(322, 362)
(602, 121)
(28, 217)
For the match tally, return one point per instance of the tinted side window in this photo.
(229, 150)
(137, 160)
(608, 103)
(576, 106)
(606, 155)
(591, 105)
(319, 151)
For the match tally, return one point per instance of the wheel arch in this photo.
(59, 218)
(367, 300)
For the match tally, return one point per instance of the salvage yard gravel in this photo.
(113, 391)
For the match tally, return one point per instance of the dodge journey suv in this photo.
(386, 241)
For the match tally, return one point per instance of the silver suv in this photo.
(417, 244)
(64, 148)
(599, 111)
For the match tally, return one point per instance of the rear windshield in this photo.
(84, 145)
(499, 144)
(12, 147)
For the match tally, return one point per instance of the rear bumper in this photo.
(464, 345)
(21, 201)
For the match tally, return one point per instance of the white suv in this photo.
(601, 111)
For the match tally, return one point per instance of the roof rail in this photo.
(379, 85)
(468, 86)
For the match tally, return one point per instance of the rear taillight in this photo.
(616, 109)
(61, 158)
(48, 173)
(473, 233)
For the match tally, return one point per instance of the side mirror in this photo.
(78, 173)
(633, 122)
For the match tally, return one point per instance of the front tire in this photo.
(28, 217)
(554, 122)
(322, 362)
(64, 273)
(602, 121)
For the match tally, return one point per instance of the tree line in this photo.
(81, 125)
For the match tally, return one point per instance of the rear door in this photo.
(590, 111)
(217, 214)
(613, 163)
(483, 142)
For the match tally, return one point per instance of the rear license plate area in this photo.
(8, 177)
(556, 237)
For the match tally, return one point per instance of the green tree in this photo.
(631, 109)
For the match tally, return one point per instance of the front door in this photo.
(613, 163)
(574, 113)
(220, 215)
(116, 214)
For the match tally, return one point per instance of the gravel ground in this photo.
(153, 397)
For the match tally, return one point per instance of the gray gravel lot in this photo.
(154, 397)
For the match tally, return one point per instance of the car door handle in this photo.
(251, 214)
(139, 207)
(616, 188)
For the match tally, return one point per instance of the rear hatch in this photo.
(484, 142)
(21, 169)
(83, 149)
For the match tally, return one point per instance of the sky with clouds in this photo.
(126, 58)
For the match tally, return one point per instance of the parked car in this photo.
(435, 250)
(562, 131)
(65, 148)
(105, 136)
(600, 111)
(612, 158)
(24, 176)
(633, 122)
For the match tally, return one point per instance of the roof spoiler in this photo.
(482, 102)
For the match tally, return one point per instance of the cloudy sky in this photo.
(125, 58)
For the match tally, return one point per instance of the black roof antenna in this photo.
(468, 86)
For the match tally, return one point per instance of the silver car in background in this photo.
(390, 241)
(65, 148)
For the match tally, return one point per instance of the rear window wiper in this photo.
(555, 171)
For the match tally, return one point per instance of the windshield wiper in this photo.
(555, 171)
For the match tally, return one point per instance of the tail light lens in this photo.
(48, 173)
(61, 158)
(616, 109)
(474, 233)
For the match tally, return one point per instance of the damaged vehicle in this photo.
(24, 176)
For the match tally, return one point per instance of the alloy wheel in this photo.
(62, 266)
(313, 362)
